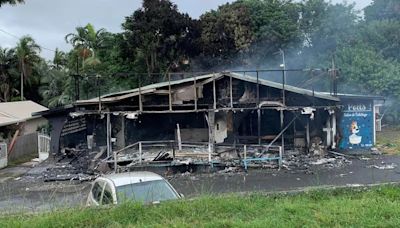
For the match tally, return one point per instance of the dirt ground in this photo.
(30, 193)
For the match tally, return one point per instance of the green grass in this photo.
(388, 140)
(378, 206)
(21, 159)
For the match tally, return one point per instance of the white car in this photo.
(144, 187)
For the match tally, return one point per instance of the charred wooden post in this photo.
(140, 152)
(214, 94)
(308, 135)
(169, 92)
(259, 125)
(195, 93)
(334, 130)
(211, 133)
(231, 91)
(178, 135)
(140, 100)
(115, 162)
(108, 129)
(121, 139)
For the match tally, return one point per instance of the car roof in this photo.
(121, 179)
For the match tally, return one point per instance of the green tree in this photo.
(336, 25)
(226, 32)
(11, 2)
(27, 52)
(60, 59)
(275, 25)
(361, 65)
(383, 10)
(8, 74)
(160, 38)
(249, 32)
(87, 41)
(56, 86)
(383, 36)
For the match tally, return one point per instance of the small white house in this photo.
(18, 129)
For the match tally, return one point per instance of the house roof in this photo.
(19, 111)
(153, 87)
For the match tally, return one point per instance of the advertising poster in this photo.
(357, 126)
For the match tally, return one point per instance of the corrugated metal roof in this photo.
(146, 88)
(152, 87)
(19, 111)
(287, 87)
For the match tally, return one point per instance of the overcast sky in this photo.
(48, 21)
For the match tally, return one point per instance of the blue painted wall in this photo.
(356, 124)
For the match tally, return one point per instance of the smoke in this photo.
(308, 58)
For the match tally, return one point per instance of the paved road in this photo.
(30, 193)
(359, 172)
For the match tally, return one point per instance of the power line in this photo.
(17, 37)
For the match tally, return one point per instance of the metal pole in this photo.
(283, 135)
(108, 129)
(195, 93)
(140, 95)
(259, 125)
(140, 152)
(245, 156)
(98, 90)
(258, 90)
(283, 76)
(169, 92)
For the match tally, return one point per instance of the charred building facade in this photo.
(214, 119)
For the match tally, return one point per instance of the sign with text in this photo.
(357, 125)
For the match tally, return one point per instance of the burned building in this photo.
(214, 119)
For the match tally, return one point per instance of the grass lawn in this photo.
(378, 206)
(388, 140)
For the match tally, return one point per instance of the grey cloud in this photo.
(48, 21)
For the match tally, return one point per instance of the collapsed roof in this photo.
(159, 88)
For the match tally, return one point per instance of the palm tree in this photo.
(8, 65)
(56, 87)
(87, 40)
(59, 59)
(27, 52)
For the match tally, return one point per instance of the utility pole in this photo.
(334, 78)
(98, 76)
(283, 66)
(282, 113)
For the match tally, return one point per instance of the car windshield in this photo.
(146, 192)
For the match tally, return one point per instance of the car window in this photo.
(107, 195)
(146, 192)
(96, 190)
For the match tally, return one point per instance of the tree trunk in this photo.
(22, 80)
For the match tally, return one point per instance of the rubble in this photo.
(323, 161)
(317, 148)
(305, 162)
(75, 164)
(384, 166)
